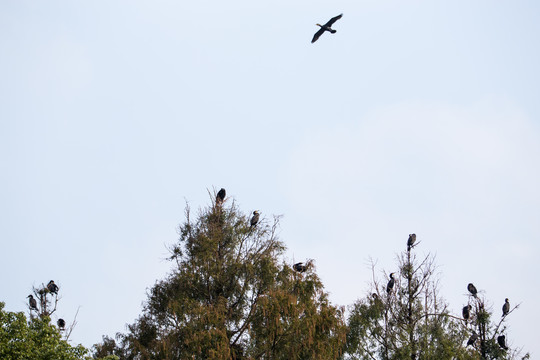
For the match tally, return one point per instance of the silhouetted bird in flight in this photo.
(220, 196)
(61, 324)
(411, 241)
(472, 339)
(506, 307)
(300, 267)
(254, 218)
(501, 340)
(32, 302)
(472, 289)
(466, 312)
(390, 284)
(326, 27)
(53, 288)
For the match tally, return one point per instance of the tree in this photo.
(408, 320)
(46, 304)
(486, 335)
(35, 339)
(231, 296)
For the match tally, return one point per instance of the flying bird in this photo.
(254, 219)
(300, 267)
(61, 324)
(326, 27)
(411, 241)
(32, 302)
(466, 312)
(506, 307)
(501, 340)
(390, 284)
(472, 339)
(53, 288)
(220, 196)
(472, 289)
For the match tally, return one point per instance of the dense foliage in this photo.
(231, 296)
(36, 339)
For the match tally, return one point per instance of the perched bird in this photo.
(53, 288)
(501, 340)
(466, 312)
(220, 196)
(300, 267)
(472, 339)
(32, 302)
(411, 241)
(472, 289)
(254, 218)
(61, 324)
(390, 284)
(506, 307)
(326, 27)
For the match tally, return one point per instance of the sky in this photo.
(416, 116)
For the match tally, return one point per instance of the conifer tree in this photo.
(231, 296)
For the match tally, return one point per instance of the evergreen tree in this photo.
(231, 296)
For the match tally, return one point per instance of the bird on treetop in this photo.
(411, 241)
(506, 307)
(390, 284)
(466, 312)
(472, 289)
(300, 267)
(220, 196)
(53, 288)
(32, 302)
(472, 339)
(254, 218)
(501, 340)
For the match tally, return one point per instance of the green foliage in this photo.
(35, 339)
(230, 296)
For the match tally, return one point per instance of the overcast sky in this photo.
(416, 116)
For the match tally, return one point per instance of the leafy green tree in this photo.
(408, 320)
(35, 339)
(231, 296)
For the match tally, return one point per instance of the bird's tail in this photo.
(333, 31)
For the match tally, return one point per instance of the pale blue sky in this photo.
(416, 116)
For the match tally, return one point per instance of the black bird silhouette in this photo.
(472, 289)
(254, 219)
(220, 196)
(390, 284)
(466, 312)
(300, 267)
(501, 340)
(53, 288)
(472, 339)
(61, 324)
(411, 241)
(506, 307)
(326, 27)
(32, 302)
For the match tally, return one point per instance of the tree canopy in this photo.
(231, 295)
(36, 339)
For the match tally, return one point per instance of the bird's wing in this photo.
(317, 35)
(333, 20)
